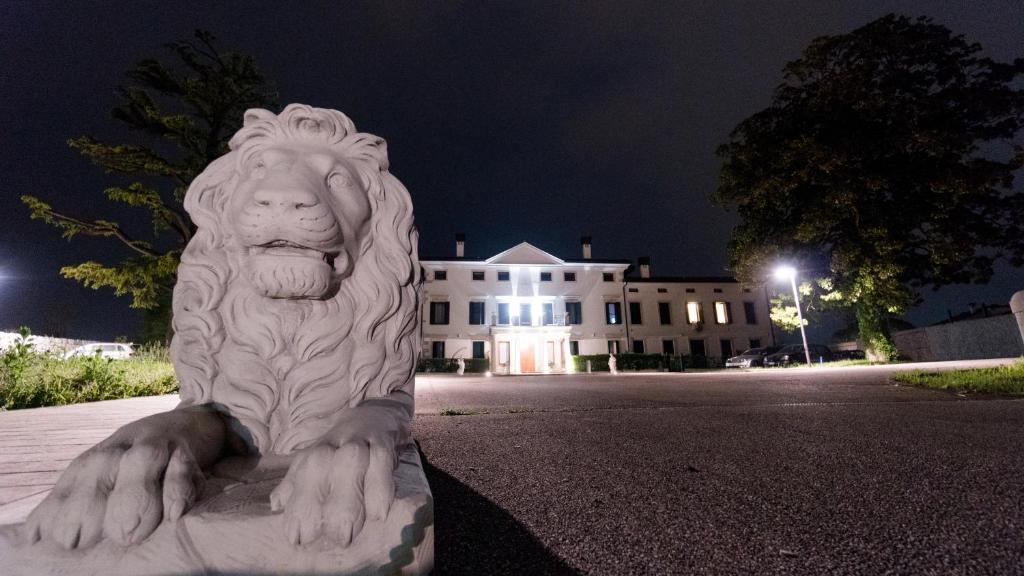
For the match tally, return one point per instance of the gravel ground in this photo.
(830, 471)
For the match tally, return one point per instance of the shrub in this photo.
(30, 380)
(629, 361)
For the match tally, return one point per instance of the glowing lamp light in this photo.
(487, 374)
(785, 273)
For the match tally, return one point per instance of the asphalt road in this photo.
(825, 471)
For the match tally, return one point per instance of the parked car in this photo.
(751, 358)
(849, 355)
(794, 353)
(113, 350)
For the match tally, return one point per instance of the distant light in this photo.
(785, 272)
(487, 374)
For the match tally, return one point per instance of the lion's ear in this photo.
(206, 196)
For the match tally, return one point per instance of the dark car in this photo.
(794, 353)
(751, 358)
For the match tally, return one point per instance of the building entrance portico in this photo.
(530, 349)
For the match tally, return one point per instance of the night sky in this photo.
(538, 121)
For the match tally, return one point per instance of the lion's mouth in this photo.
(292, 250)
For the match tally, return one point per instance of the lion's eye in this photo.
(339, 181)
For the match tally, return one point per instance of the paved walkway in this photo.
(766, 471)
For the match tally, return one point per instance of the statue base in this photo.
(232, 530)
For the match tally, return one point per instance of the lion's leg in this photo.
(124, 486)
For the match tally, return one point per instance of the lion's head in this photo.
(297, 295)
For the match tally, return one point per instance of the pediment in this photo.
(525, 254)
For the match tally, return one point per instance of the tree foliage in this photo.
(184, 114)
(885, 163)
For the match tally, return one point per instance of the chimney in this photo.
(460, 245)
(645, 266)
(585, 244)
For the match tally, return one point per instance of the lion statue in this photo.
(296, 333)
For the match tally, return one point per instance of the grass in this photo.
(997, 380)
(458, 412)
(30, 380)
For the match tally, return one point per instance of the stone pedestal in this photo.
(232, 531)
(1017, 307)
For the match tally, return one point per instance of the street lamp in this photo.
(788, 272)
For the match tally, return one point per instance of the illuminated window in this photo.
(693, 312)
(722, 313)
(613, 313)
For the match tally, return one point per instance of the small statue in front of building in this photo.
(612, 364)
(462, 366)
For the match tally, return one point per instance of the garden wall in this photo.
(993, 337)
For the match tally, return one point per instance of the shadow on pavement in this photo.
(475, 536)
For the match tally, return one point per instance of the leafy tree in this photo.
(885, 163)
(185, 114)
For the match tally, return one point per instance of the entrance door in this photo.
(726, 348)
(526, 357)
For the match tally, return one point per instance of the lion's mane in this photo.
(282, 369)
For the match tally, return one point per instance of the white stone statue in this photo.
(462, 366)
(296, 337)
(612, 364)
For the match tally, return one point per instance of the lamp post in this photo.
(788, 272)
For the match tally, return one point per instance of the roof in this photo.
(687, 279)
(522, 254)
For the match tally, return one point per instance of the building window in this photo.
(613, 346)
(726, 347)
(437, 349)
(502, 276)
(545, 276)
(574, 311)
(570, 276)
(746, 290)
(750, 311)
(634, 290)
(722, 313)
(478, 349)
(574, 347)
(693, 312)
(634, 313)
(755, 342)
(662, 290)
(476, 313)
(690, 290)
(503, 355)
(439, 312)
(525, 314)
(548, 310)
(718, 290)
(440, 274)
(478, 275)
(638, 346)
(665, 313)
(668, 346)
(608, 276)
(613, 312)
(503, 318)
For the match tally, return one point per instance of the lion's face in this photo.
(299, 214)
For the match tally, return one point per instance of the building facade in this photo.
(528, 311)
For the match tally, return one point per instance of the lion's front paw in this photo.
(330, 489)
(119, 491)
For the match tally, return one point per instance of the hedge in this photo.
(630, 361)
(473, 365)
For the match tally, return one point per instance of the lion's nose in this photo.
(284, 199)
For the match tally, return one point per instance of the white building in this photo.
(528, 310)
